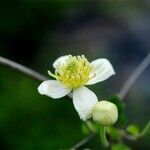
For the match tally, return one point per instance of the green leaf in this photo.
(113, 133)
(120, 105)
(133, 129)
(120, 147)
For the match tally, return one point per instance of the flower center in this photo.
(74, 72)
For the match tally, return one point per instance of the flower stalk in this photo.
(103, 138)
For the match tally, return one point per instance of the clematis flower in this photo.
(71, 74)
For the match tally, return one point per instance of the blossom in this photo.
(105, 113)
(71, 74)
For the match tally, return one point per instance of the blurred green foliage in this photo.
(120, 147)
(29, 120)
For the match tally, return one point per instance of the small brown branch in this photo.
(134, 76)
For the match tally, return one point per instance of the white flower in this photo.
(71, 74)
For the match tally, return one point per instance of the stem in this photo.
(145, 130)
(90, 126)
(27, 71)
(102, 135)
(134, 76)
(82, 142)
(127, 136)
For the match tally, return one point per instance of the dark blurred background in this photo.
(35, 32)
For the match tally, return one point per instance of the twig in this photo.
(134, 76)
(127, 136)
(82, 142)
(33, 74)
(103, 138)
(145, 130)
(25, 70)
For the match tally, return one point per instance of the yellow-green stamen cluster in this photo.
(74, 72)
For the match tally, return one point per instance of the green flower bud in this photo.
(105, 113)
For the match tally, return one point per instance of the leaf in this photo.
(133, 129)
(120, 105)
(120, 147)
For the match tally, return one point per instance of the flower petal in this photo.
(53, 88)
(84, 100)
(102, 69)
(60, 60)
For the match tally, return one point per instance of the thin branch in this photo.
(130, 137)
(146, 130)
(127, 136)
(25, 70)
(134, 76)
(82, 142)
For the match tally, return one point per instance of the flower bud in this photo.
(105, 113)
